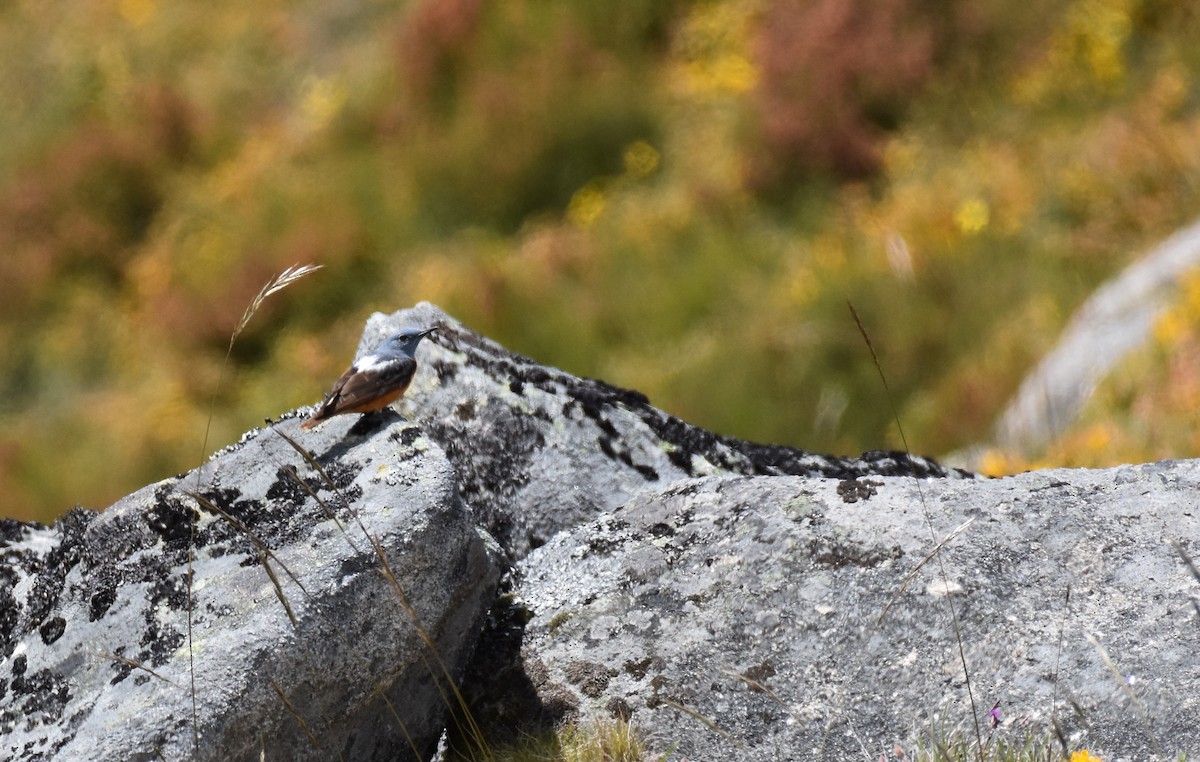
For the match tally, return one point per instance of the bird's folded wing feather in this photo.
(356, 388)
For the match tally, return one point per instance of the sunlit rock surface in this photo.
(94, 626)
(538, 450)
(785, 618)
(568, 551)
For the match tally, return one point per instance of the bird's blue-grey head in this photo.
(405, 342)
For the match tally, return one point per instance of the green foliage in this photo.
(646, 192)
(606, 741)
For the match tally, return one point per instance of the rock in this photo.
(537, 450)
(779, 618)
(1117, 319)
(94, 653)
(94, 647)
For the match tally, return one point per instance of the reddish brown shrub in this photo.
(432, 41)
(84, 206)
(834, 74)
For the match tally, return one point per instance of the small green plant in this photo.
(954, 747)
(598, 741)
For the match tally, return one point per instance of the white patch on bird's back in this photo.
(372, 363)
(377, 364)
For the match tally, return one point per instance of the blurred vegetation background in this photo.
(676, 197)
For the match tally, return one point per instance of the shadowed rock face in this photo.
(93, 633)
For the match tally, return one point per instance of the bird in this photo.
(374, 381)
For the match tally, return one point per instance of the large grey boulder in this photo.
(734, 600)
(784, 618)
(537, 450)
(301, 647)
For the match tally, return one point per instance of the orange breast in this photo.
(379, 403)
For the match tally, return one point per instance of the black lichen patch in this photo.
(638, 669)
(838, 555)
(158, 643)
(607, 536)
(71, 548)
(466, 410)
(241, 521)
(341, 474)
(349, 495)
(171, 517)
(409, 435)
(42, 694)
(685, 441)
(52, 629)
(853, 489)
(749, 458)
(10, 616)
(13, 531)
(288, 489)
(731, 516)
(445, 371)
(759, 673)
(120, 535)
(662, 530)
(406, 437)
(619, 708)
(683, 489)
(287, 515)
(491, 457)
(594, 394)
(102, 600)
(291, 491)
(590, 677)
(648, 473)
(171, 591)
(120, 667)
(609, 445)
(683, 518)
(355, 565)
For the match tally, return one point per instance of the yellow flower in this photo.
(1103, 27)
(137, 12)
(972, 216)
(586, 205)
(1083, 756)
(1097, 438)
(640, 159)
(1171, 328)
(322, 100)
(713, 48)
(732, 73)
(999, 463)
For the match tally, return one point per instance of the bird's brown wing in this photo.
(357, 390)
